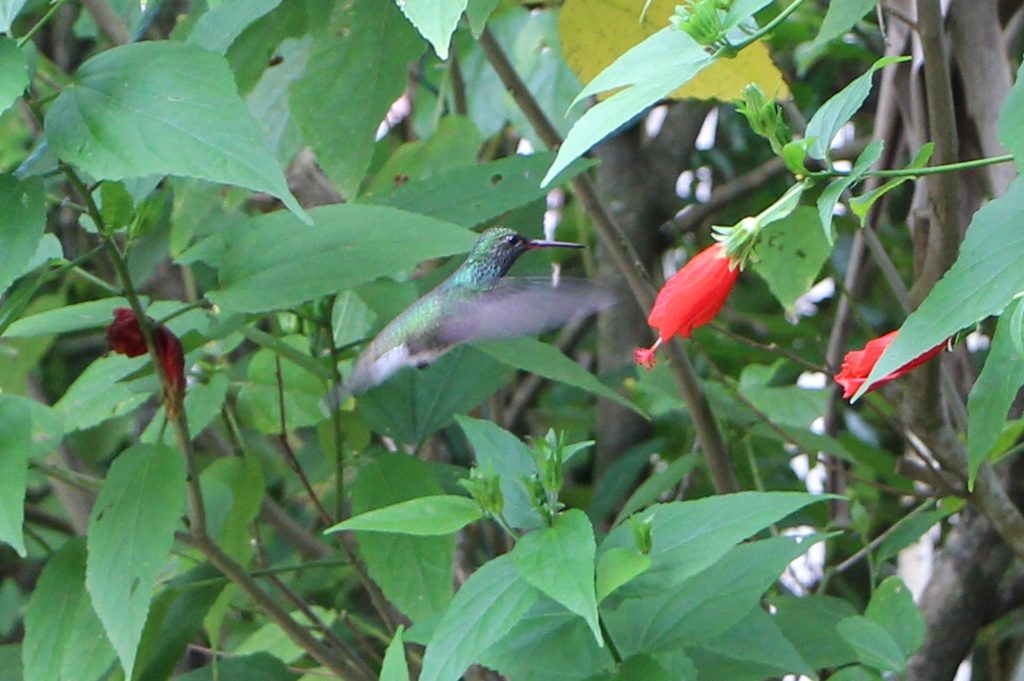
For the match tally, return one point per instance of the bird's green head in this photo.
(498, 248)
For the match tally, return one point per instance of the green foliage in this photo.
(15, 443)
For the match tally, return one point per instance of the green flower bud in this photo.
(765, 117)
(485, 488)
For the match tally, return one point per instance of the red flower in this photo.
(692, 297)
(857, 364)
(125, 337)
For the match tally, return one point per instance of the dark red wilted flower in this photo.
(125, 337)
(692, 297)
(857, 364)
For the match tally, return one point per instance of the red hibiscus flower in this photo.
(125, 337)
(692, 297)
(857, 364)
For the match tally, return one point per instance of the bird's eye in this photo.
(512, 239)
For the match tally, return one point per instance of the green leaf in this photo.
(642, 668)
(435, 20)
(64, 641)
(1011, 120)
(271, 639)
(834, 191)
(503, 453)
(559, 561)
(8, 13)
(790, 255)
(255, 667)
(654, 486)
(549, 642)
(839, 109)
(705, 605)
(909, 529)
(840, 18)
(15, 447)
(351, 318)
(423, 517)
(994, 391)
(266, 267)
(259, 399)
(614, 112)
(415, 403)
(162, 108)
(688, 536)
(98, 393)
(131, 529)
(485, 608)
(395, 668)
(349, 87)
(203, 403)
(543, 359)
(860, 205)
(478, 11)
(986, 276)
(892, 607)
(855, 673)
(755, 648)
(873, 644)
(810, 624)
(13, 73)
(217, 28)
(23, 206)
(175, 619)
(415, 573)
(78, 317)
(476, 194)
(617, 567)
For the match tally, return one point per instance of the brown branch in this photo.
(626, 259)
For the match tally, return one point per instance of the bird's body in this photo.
(474, 303)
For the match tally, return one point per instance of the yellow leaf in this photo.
(596, 32)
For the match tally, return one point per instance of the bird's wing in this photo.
(520, 306)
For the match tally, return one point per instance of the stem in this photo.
(767, 28)
(39, 24)
(928, 170)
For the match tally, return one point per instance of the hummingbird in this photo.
(475, 303)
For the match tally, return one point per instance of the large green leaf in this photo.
(834, 191)
(1011, 120)
(395, 668)
(98, 393)
(349, 87)
(705, 605)
(15, 447)
(23, 206)
(559, 561)
(543, 359)
(13, 73)
(435, 20)
(424, 517)
(275, 262)
(175, 619)
(839, 109)
(64, 641)
(790, 255)
(162, 108)
(986, 276)
(501, 452)
(415, 403)
(415, 573)
(754, 649)
(874, 645)
(77, 317)
(473, 195)
(996, 388)
(892, 607)
(549, 642)
(259, 399)
(810, 624)
(688, 536)
(840, 18)
(484, 609)
(131, 529)
(217, 29)
(255, 667)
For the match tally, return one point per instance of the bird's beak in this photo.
(541, 243)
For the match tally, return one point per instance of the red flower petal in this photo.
(857, 364)
(694, 295)
(125, 337)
